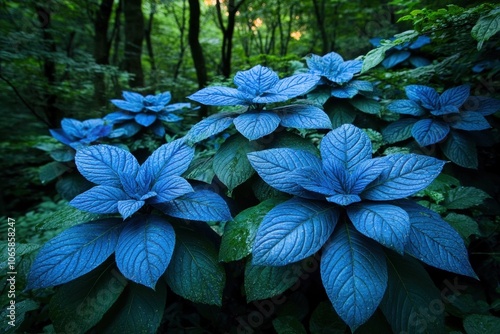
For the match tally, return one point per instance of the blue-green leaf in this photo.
(460, 150)
(194, 271)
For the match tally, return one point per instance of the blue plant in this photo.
(349, 204)
(441, 119)
(258, 87)
(137, 112)
(78, 134)
(400, 53)
(143, 243)
(337, 74)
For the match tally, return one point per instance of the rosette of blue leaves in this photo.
(352, 207)
(137, 112)
(77, 134)
(256, 88)
(441, 119)
(400, 53)
(337, 75)
(142, 243)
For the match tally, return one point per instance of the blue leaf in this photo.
(426, 96)
(74, 252)
(132, 97)
(484, 105)
(158, 128)
(304, 117)
(73, 127)
(256, 80)
(313, 180)
(434, 241)
(102, 164)
(169, 188)
(201, 205)
(177, 106)
(470, 121)
(407, 107)
(354, 274)
(270, 98)
(398, 130)
(387, 224)
(171, 159)
(345, 92)
(145, 248)
(419, 42)
(460, 150)
(418, 61)
(129, 106)
(210, 126)
(337, 176)
(292, 231)
(100, 199)
(163, 98)
(344, 199)
(346, 71)
(59, 134)
(221, 96)
(429, 131)
(395, 58)
(145, 119)
(455, 96)
(275, 165)
(128, 207)
(366, 172)
(170, 118)
(156, 108)
(256, 124)
(296, 85)
(347, 144)
(127, 129)
(375, 41)
(408, 174)
(362, 85)
(118, 116)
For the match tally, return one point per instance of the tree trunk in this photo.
(196, 49)
(134, 35)
(227, 34)
(320, 19)
(101, 48)
(52, 113)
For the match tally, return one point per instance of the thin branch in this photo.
(30, 108)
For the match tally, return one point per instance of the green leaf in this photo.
(21, 308)
(288, 325)
(201, 169)
(319, 96)
(487, 26)
(194, 272)
(262, 282)
(464, 197)
(366, 105)
(64, 154)
(410, 296)
(324, 320)
(139, 310)
(21, 250)
(465, 225)
(481, 324)
(66, 217)
(231, 164)
(52, 171)
(239, 233)
(340, 112)
(288, 139)
(374, 57)
(263, 191)
(460, 150)
(71, 185)
(80, 304)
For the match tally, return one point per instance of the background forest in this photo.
(63, 59)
